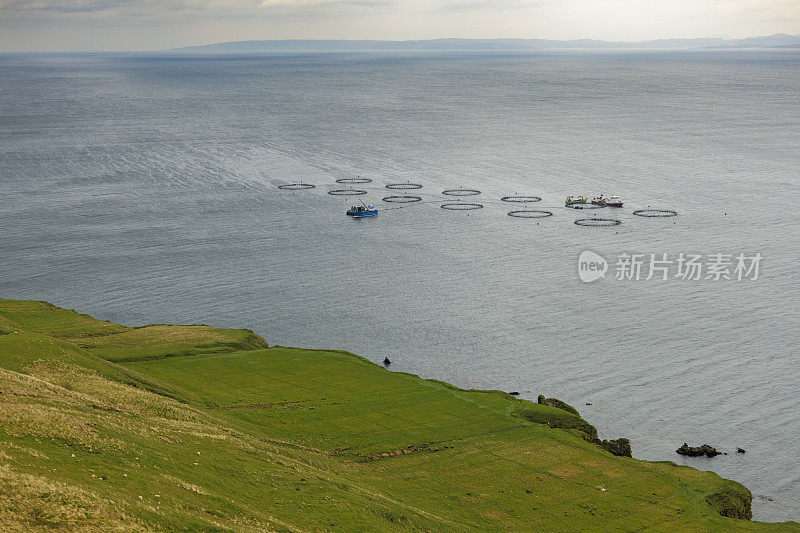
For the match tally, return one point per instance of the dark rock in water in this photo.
(386, 361)
(741, 450)
(711, 451)
(697, 451)
(515, 393)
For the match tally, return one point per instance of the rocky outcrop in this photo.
(558, 404)
(733, 502)
(698, 451)
(559, 419)
(573, 420)
(618, 447)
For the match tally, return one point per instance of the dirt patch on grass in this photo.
(185, 485)
(594, 464)
(566, 472)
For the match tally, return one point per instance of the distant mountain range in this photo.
(779, 41)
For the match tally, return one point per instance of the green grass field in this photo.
(195, 428)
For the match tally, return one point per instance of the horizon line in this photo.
(440, 39)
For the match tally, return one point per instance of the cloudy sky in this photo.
(154, 24)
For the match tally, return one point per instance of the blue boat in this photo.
(361, 211)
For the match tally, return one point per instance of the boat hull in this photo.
(572, 200)
(365, 214)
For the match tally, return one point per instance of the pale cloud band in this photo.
(12, 8)
(141, 24)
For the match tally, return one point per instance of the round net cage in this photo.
(296, 186)
(521, 199)
(655, 213)
(347, 192)
(585, 206)
(530, 213)
(461, 206)
(354, 181)
(402, 199)
(461, 192)
(598, 222)
(404, 186)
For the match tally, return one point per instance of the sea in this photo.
(145, 188)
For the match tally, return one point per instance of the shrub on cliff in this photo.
(559, 419)
(619, 447)
(558, 404)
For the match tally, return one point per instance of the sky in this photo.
(71, 25)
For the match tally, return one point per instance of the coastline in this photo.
(161, 426)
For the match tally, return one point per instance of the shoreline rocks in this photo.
(698, 451)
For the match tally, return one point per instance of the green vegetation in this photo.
(190, 427)
(555, 402)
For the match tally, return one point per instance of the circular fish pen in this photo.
(354, 181)
(521, 199)
(461, 206)
(598, 222)
(461, 192)
(655, 213)
(347, 192)
(530, 213)
(404, 186)
(585, 206)
(296, 186)
(402, 199)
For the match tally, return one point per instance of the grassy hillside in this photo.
(190, 427)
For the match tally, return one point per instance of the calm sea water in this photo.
(143, 189)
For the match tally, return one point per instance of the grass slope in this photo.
(189, 427)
